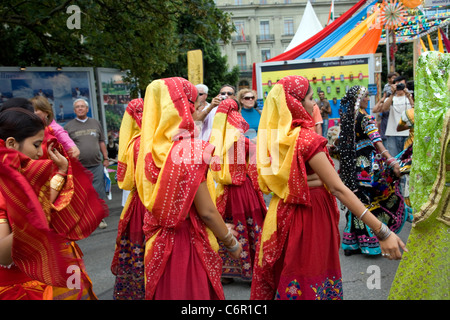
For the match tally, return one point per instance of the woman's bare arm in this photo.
(211, 217)
(5, 244)
(320, 164)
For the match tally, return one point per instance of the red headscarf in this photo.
(41, 229)
(296, 88)
(286, 124)
(171, 166)
(234, 155)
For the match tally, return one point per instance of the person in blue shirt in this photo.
(249, 111)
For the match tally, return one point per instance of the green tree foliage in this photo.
(144, 37)
(404, 58)
(215, 67)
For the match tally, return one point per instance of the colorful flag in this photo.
(242, 33)
(430, 43)
(331, 13)
(445, 40)
(440, 44)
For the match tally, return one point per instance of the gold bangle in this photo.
(57, 182)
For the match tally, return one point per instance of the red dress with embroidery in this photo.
(309, 267)
(242, 202)
(306, 257)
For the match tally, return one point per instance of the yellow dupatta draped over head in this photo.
(229, 162)
(167, 114)
(171, 165)
(130, 132)
(284, 142)
(129, 144)
(282, 119)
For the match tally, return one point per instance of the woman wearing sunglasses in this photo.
(247, 102)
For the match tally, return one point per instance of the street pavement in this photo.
(364, 277)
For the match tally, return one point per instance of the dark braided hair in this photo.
(347, 150)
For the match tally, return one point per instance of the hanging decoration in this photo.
(412, 3)
(392, 14)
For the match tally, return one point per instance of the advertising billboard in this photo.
(61, 88)
(334, 76)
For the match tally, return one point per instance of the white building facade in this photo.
(265, 28)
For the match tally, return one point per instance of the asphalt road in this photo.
(364, 277)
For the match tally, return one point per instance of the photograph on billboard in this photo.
(60, 87)
(114, 96)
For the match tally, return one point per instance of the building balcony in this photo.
(244, 68)
(265, 38)
(286, 37)
(240, 39)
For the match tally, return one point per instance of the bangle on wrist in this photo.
(227, 237)
(383, 233)
(233, 248)
(391, 161)
(362, 214)
(57, 182)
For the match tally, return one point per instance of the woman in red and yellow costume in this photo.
(298, 254)
(182, 222)
(238, 197)
(128, 260)
(44, 207)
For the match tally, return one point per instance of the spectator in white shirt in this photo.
(204, 115)
(400, 100)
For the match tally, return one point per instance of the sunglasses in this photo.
(200, 94)
(227, 93)
(249, 98)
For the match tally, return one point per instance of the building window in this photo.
(240, 35)
(288, 26)
(244, 84)
(264, 30)
(265, 54)
(287, 1)
(242, 60)
(262, 1)
(238, 2)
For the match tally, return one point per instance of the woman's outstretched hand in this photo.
(390, 248)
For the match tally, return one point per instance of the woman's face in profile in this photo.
(309, 102)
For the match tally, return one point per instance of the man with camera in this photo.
(204, 114)
(399, 101)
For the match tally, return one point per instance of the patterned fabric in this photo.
(170, 167)
(229, 162)
(30, 290)
(285, 113)
(424, 271)
(363, 170)
(347, 139)
(42, 229)
(310, 254)
(130, 131)
(84, 293)
(129, 284)
(128, 260)
(283, 127)
(238, 197)
(431, 137)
